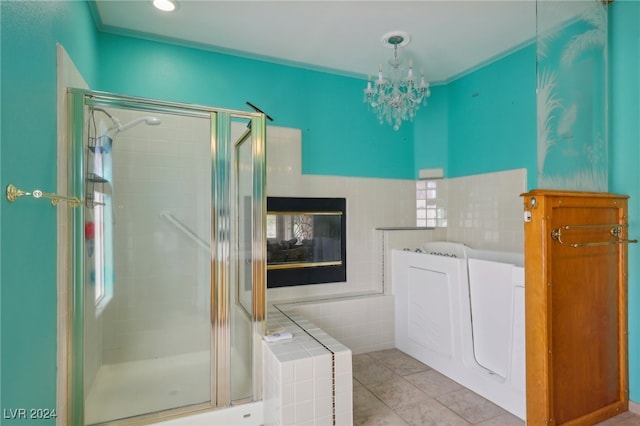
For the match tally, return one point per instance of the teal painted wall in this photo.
(463, 133)
(29, 33)
(624, 50)
(339, 135)
(431, 129)
(492, 118)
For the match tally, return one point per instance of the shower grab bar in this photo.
(14, 193)
(615, 231)
(185, 230)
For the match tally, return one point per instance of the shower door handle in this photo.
(14, 193)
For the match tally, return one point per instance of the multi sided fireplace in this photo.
(306, 241)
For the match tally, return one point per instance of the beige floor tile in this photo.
(397, 392)
(632, 421)
(391, 388)
(506, 419)
(470, 405)
(387, 353)
(399, 362)
(363, 399)
(625, 419)
(433, 383)
(368, 370)
(429, 412)
(382, 418)
(369, 410)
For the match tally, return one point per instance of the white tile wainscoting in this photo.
(363, 323)
(483, 211)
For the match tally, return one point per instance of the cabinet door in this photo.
(585, 300)
(576, 307)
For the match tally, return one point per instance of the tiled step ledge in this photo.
(308, 378)
(363, 322)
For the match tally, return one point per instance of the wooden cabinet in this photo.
(575, 306)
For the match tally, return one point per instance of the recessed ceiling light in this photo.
(165, 5)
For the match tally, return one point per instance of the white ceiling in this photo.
(448, 38)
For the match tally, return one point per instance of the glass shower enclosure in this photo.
(168, 288)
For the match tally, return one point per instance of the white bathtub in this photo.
(461, 311)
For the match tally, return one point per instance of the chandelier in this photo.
(396, 99)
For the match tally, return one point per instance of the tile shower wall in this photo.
(156, 310)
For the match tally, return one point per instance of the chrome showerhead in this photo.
(119, 127)
(151, 121)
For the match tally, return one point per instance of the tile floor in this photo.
(394, 389)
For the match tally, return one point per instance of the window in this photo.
(99, 236)
(272, 226)
(431, 211)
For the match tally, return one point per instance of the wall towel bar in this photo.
(615, 231)
(14, 193)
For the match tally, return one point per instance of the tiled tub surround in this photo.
(362, 323)
(308, 378)
(484, 211)
(388, 240)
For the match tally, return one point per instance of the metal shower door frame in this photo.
(223, 176)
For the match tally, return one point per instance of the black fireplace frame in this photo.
(296, 276)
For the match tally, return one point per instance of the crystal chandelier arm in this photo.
(380, 82)
(410, 73)
(396, 98)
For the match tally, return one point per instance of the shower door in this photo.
(248, 301)
(164, 271)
